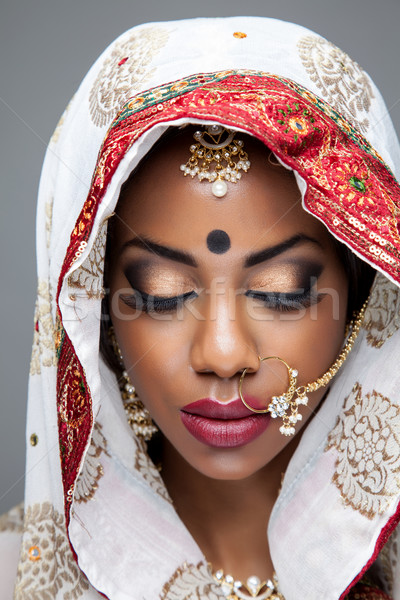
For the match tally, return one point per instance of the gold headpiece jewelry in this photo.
(218, 145)
(137, 414)
(294, 396)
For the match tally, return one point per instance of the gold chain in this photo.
(355, 326)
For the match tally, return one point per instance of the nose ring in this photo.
(280, 405)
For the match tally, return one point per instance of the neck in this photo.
(228, 519)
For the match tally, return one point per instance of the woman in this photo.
(239, 210)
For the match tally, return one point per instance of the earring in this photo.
(218, 145)
(137, 414)
(295, 396)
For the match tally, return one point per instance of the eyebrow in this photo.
(271, 252)
(167, 252)
(187, 259)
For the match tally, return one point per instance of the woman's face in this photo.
(201, 287)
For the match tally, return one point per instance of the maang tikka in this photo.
(137, 415)
(216, 144)
(287, 404)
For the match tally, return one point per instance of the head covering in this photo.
(87, 474)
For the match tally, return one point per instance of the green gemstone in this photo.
(357, 184)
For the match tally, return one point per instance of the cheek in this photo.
(155, 352)
(309, 342)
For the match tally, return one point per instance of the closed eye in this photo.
(156, 304)
(286, 302)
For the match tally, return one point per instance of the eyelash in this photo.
(280, 302)
(156, 304)
(287, 302)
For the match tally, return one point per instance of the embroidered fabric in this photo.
(98, 519)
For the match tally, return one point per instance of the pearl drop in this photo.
(219, 188)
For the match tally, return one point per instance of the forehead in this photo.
(265, 205)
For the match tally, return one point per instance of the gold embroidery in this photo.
(49, 217)
(146, 468)
(341, 80)
(13, 519)
(124, 73)
(382, 316)
(192, 582)
(46, 562)
(367, 439)
(92, 470)
(43, 349)
(57, 131)
(89, 276)
(60, 124)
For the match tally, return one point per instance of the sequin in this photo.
(34, 553)
(239, 35)
(34, 439)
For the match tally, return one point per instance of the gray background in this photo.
(46, 47)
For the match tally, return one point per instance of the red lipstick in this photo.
(222, 425)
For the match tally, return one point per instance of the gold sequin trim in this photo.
(92, 469)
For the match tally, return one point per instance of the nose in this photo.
(223, 342)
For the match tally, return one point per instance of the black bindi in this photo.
(218, 241)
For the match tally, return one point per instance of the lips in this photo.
(222, 425)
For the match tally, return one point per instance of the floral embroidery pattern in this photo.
(192, 582)
(124, 72)
(47, 563)
(89, 276)
(382, 316)
(13, 520)
(43, 350)
(341, 80)
(146, 468)
(367, 439)
(92, 471)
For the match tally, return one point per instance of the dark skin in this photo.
(198, 348)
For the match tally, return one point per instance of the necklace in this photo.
(234, 589)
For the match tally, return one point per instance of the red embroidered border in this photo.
(74, 415)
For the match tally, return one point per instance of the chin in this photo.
(228, 465)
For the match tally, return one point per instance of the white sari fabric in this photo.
(98, 521)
